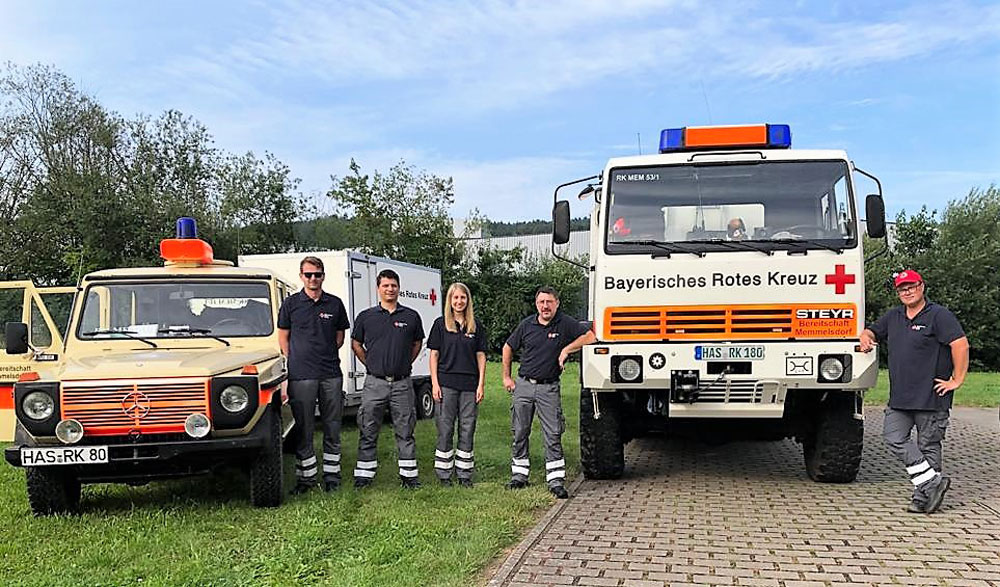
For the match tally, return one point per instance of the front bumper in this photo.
(757, 388)
(145, 461)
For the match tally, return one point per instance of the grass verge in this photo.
(203, 531)
(979, 389)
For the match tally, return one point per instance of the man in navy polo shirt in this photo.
(928, 361)
(545, 340)
(387, 339)
(311, 325)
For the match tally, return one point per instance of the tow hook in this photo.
(597, 406)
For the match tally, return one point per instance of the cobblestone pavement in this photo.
(747, 514)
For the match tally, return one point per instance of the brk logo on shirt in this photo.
(400, 324)
(918, 327)
(470, 335)
(553, 335)
(325, 315)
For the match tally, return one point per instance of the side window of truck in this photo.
(41, 336)
(11, 307)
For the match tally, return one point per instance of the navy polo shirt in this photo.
(458, 367)
(388, 339)
(919, 352)
(312, 340)
(540, 345)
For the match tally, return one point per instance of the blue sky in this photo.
(514, 98)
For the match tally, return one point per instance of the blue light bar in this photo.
(701, 138)
(187, 227)
(779, 136)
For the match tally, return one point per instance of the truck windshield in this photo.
(794, 205)
(175, 310)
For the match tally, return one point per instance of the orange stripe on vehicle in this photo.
(731, 322)
(6, 397)
(726, 136)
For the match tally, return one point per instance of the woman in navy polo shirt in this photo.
(458, 372)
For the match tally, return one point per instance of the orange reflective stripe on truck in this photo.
(730, 322)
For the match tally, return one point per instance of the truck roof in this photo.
(183, 270)
(710, 155)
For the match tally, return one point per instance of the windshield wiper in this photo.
(665, 246)
(737, 245)
(192, 330)
(805, 241)
(126, 333)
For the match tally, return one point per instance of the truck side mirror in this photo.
(16, 335)
(875, 212)
(560, 223)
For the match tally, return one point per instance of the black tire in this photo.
(424, 399)
(833, 451)
(266, 475)
(602, 449)
(52, 490)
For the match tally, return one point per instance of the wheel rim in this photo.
(427, 402)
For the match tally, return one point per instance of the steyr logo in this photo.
(136, 405)
(840, 279)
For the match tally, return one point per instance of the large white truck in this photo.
(350, 275)
(727, 293)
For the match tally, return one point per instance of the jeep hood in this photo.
(162, 362)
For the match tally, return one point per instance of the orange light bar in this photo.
(726, 136)
(249, 369)
(186, 250)
(28, 376)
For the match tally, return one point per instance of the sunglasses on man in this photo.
(313, 274)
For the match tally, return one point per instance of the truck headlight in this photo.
(197, 426)
(831, 369)
(69, 431)
(234, 399)
(38, 405)
(629, 369)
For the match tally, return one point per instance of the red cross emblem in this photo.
(434, 296)
(839, 278)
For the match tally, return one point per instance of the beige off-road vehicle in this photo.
(165, 372)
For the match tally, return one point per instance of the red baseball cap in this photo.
(908, 276)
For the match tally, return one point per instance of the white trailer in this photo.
(350, 275)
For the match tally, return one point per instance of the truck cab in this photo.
(166, 372)
(727, 295)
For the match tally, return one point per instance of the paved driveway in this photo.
(746, 514)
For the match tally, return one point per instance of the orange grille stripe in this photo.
(719, 322)
(98, 405)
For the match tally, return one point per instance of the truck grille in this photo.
(761, 321)
(150, 406)
(730, 391)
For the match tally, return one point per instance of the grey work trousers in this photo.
(460, 406)
(303, 395)
(922, 458)
(544, 399)
(376, 397)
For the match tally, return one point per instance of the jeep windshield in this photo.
(178, 309)
(763, 206)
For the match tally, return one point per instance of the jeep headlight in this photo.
(38, 405)
(629, 369)
(234, 399)
(197, 425)
(831, 369)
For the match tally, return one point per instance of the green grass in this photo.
(979, 389)
(203, 531)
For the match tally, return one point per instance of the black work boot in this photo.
(935, 495)
(559, 491)
(516, 484)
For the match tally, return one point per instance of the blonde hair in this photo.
(449, 316)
